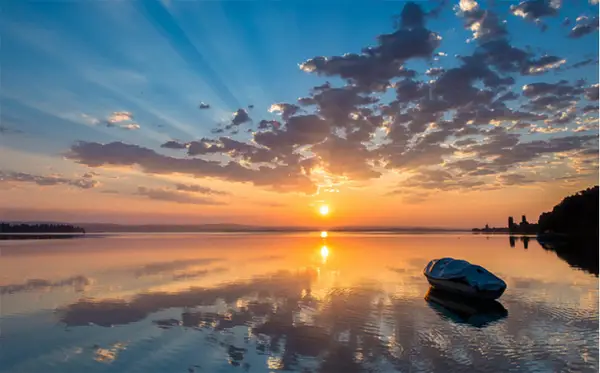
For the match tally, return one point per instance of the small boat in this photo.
(461, 277)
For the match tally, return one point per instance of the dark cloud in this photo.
(465, 142)
(590, 109)
(515, 179)
(236, 149)
(85, 182)
(174, 144)
(202, 105)
(528, 151)
(587, 61)
(175, 196)
(200, 189)
(124, 126)
(284, 177)
(536, 9)
(346, 158)
(584, 26)
(591, 93)
(543, 64)
(551, 96)
(376, 66)
(286, 110)
(269, 125)
(485, 24)
(299, 130)
(437, 179)
(239, 117)
(435, 71)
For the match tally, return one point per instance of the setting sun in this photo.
(324, 234)
(324, 210)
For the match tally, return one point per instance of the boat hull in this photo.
(463, 289)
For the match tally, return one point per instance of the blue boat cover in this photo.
(477, 276)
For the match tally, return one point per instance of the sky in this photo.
(446, 114)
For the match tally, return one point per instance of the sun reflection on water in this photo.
(324, 253)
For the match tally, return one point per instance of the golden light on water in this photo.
(324, 253)
(324, 210)
(324, 234)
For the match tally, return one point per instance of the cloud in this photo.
(85, 182)
(514, 179)
(435, 71)
(584, 26)
(239, 117)
(119, 116)
(200, 189)
(175, 196)
(202, 105)
(282, 177)
(591, 93)
(286, 110)
(585, 62)
(238, 150)
(587, 127)
(438, 179)
(125, 126)
(173, 144)
(484, 24)
(536, 9)
(118, 119)
(373, 69)
(377, 114)
(544, 64)
(590, 109)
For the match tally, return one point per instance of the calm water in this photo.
(302, 303)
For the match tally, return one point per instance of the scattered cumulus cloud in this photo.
(175, 196)
(85, 182)
(452, 128)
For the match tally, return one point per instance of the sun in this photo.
(324, 210)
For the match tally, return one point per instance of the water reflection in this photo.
(324, 253)
(340, 304)
(524, 239)
(581, 254)
(477, 313)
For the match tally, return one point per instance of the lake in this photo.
(298, 302)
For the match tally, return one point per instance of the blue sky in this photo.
(67, 67)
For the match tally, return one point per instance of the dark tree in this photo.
(576, 215)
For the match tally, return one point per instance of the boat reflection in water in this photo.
(462, 310)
